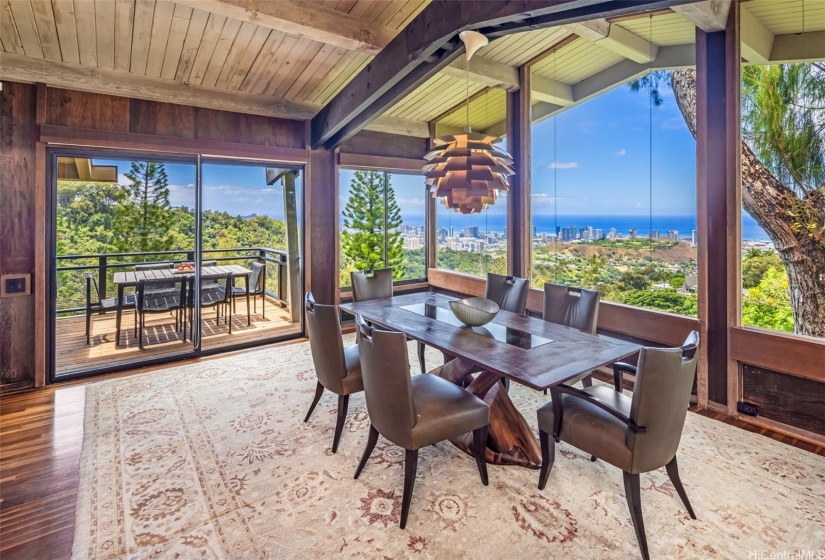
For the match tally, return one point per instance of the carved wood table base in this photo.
(510, 441)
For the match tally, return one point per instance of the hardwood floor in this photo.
(41, 434)
(160, 336)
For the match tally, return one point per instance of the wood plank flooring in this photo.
(41, 435)
(160, 336)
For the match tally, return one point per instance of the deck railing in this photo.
(72, 270)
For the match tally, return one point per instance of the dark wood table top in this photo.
(131, 278)
(571, 353)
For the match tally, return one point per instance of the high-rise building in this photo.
(534, 232)
(673, 234)
(654, 234)
(597, 234)
(693, 239)
(452, 231)
(471, 231)
(612, 233)
(632, 232)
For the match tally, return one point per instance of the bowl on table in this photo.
(474, 311)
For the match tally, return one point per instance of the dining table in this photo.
(526, 350)
(131, 278)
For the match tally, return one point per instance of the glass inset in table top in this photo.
(521, 339)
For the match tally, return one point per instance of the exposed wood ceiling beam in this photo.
(615, 38)
(485, 71)
(20, 68)
(708, 15)
(551, 91)
(796, 47)
(671, 57)
(757, 40)
(429, 43)
(307, 19)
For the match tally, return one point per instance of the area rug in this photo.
(213, 460)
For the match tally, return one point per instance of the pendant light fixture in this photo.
(466, 170)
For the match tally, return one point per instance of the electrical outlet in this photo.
(15, 285)
(747, 408)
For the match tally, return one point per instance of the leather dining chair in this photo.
(338, 367)
(636, 434)
(377, 284)
(688, 347)
(413, 411)
(572, 307)
(509, 292)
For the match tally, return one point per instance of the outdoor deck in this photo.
(160, 338)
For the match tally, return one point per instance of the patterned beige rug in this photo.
(213, 460)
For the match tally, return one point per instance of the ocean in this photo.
(547, 224)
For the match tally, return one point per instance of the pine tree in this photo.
(362, 237)
(145, 217)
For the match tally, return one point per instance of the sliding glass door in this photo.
(128, 284)
(251, 236)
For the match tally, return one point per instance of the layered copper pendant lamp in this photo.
(466, 170)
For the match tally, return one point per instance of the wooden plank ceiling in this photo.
(211, 52)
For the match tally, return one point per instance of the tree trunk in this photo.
(783, 215)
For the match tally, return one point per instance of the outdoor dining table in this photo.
(133, 277)
(526, 350)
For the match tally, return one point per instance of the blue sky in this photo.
(236, 189)
(615, 155)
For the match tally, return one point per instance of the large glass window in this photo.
(383, 223)
(783, 167)
(613, 171)
(124, 263)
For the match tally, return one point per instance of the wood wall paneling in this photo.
(790, 400)
(797, 355)
(17, 229)
(386, 145)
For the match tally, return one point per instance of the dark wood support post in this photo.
(322, 233)
(519, 236)
(718, 161)
(431, 220)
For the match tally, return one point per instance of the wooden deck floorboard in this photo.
(160, 337)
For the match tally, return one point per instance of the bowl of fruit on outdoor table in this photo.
(185, 267)
(474, 311)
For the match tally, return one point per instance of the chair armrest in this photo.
(618, 368)
(559, 390)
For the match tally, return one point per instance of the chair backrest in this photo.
(147, 293)
(209, 263)
(256, 277)
(385, 369)
(661, 396)
(509, 292)
(572, 307)
(153, 266)
(371, 284)
(324, 328)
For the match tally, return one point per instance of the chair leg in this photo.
(479, 445)
(506, 382)
(371, 441)
(592, 458)
(421, 361)
(673, 473)
(263, 306)
(140, 340)
(343, 403)
(545, 391)
(587, 382)
(410, 468)
(319, 390)
(548, 456)
(88, 326)
(228, 311)
(136, 326)
(634, 503)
